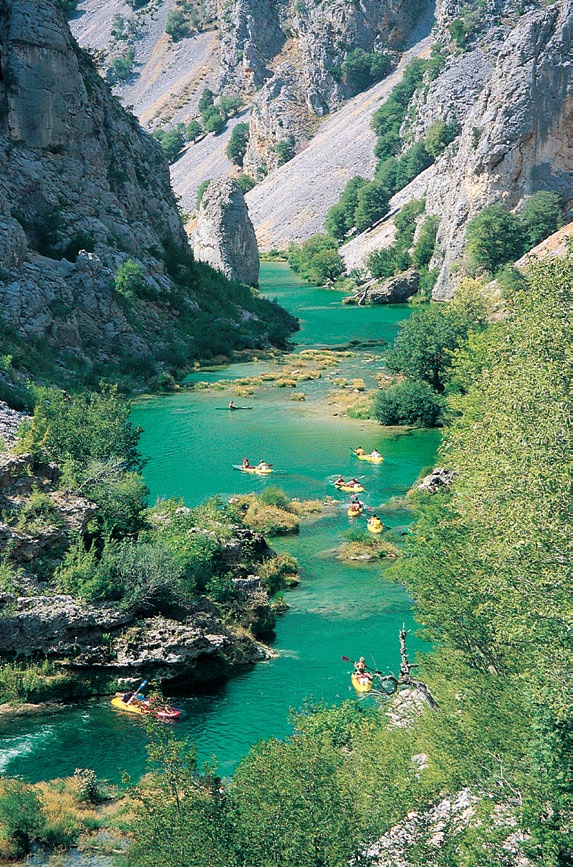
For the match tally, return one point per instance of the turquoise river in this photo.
(339, 609)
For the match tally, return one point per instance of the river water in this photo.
(339, 609)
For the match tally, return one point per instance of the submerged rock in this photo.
(225, 237)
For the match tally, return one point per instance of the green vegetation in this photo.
(410, 402)
(317, 260)
(362, 69)
(201, 191)
(183, 20)
(237, 145)
(488, 565)
(496, 236)
(245, 182)
(172, 141)
(340, 218)
(285, 149)
(121, 66)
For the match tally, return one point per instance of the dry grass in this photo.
(367, 550)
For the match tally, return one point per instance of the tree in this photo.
(317, 260)
(193, 129)
(237, 145)
(245, 182)
(340, 217)
(361, 69)
(180, 819)
(206, 99)
(213, 120)
(426, 243)
(438, 136)
(229, 105)
(285, 149)
(372, 204)
(423, 348)
(541, 217)
(408, 403)
(172, 141)
(493, 238)
(80, 427)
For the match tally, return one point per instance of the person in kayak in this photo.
(359, 451)
(374, 521)
(233, 405)
(262, 465)
(246, 463)
(375, 454)
(354, 483)
(339, 481)
(360, 669)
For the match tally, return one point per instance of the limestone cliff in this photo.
(516, 138)
(225, 237)
(79, 173)
(297, 50)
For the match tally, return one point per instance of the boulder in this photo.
(225, 237)
(396, 289)
(439, 479)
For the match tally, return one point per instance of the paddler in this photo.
(359, 451)
(233, 405)
(245, 464)
(360, 669)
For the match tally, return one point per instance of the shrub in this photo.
(21, 818)
(493, 238)
(193, 129)
(237, 145)
(130, 280)
(172, 141)
(362, 69)
(245, 182)
(278, 572)
(122, 66)
(273, 496)
(408, 403)
(201, 191)
(372, 204)
(541, 217)
(221, 589)
(317, 260)
(285, 149)
(87, 785)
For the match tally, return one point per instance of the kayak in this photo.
(141, 706)
(233, 408)
(361, 682)
(373, 459)
(263, 471)
(375, 526)
(350, 489)
(354, 511)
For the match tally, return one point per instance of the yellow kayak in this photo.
(373, 459)
(257, 471)
(361, 682)
(354, 511)
(350, 489)
(375, 526)
(141, 706)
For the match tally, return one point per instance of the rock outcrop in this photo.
(517, 136)
(225, 237)
(439, 479)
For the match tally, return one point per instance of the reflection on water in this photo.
(339, 609)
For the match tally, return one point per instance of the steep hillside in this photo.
(92, 245)
(291, 203)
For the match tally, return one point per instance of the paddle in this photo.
(141, 686)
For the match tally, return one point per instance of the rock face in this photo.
(439, 479)
(396, 289)
(516, 137)
(312, 41)
(225, 237)
(77, 171)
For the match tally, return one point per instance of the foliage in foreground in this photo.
(488, 566)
